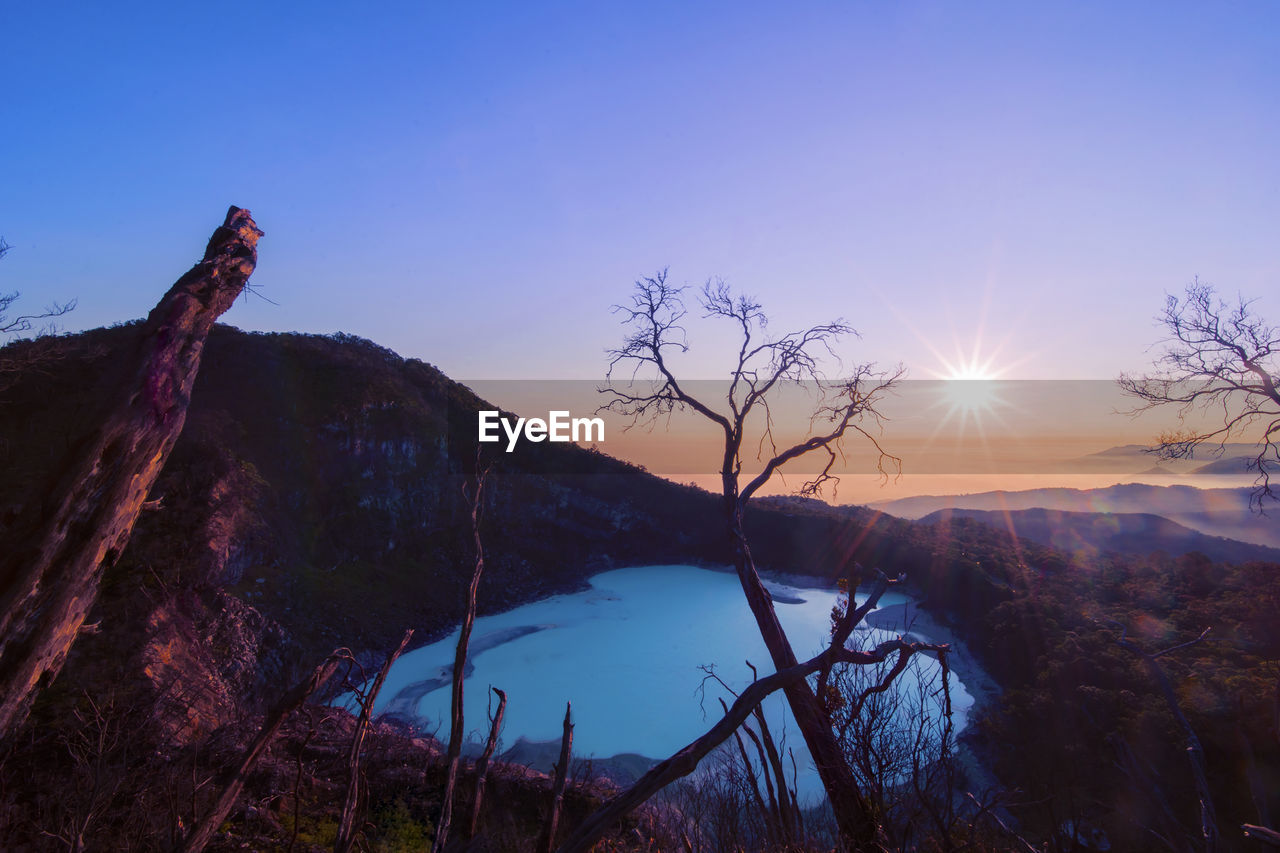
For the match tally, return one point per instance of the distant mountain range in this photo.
(1138, 459)
(1086, 534)
(1212, 512)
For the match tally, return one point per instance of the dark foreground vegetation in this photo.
(314, 501)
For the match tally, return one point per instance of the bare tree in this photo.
(482, 766)
(549, 832)
(1223, 360)
(98, 744)
(33, 355)
(900, 743)
(22, 323)
(650, 390)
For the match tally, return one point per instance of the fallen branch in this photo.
(233, 783)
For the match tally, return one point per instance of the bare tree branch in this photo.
(233, 784)
(853, 617)
(1262, 833)
(1221, 360)
(685, 761)
(23, 323)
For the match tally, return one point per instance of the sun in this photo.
(972, 367)
(970, 392)
(972, 395)
(973, 373)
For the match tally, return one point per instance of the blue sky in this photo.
(475, 184)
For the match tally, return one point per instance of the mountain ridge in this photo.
(1214, 512)
(1086, 535)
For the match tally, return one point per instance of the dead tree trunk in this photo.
(50, 580)
(557, 787)
(852, 813)
(233, 784)
(482, 766)
(457, 724)
(347, 821)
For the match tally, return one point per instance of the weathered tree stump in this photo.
(69, 535)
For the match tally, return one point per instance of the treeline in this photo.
(1083, 732)
(1082, 738)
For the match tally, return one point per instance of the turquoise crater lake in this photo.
(626, 653)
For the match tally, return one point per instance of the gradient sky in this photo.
(475, 184)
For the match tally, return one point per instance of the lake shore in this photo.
(909, 620)
(901, 615)
(404, 704)
(913, 622)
